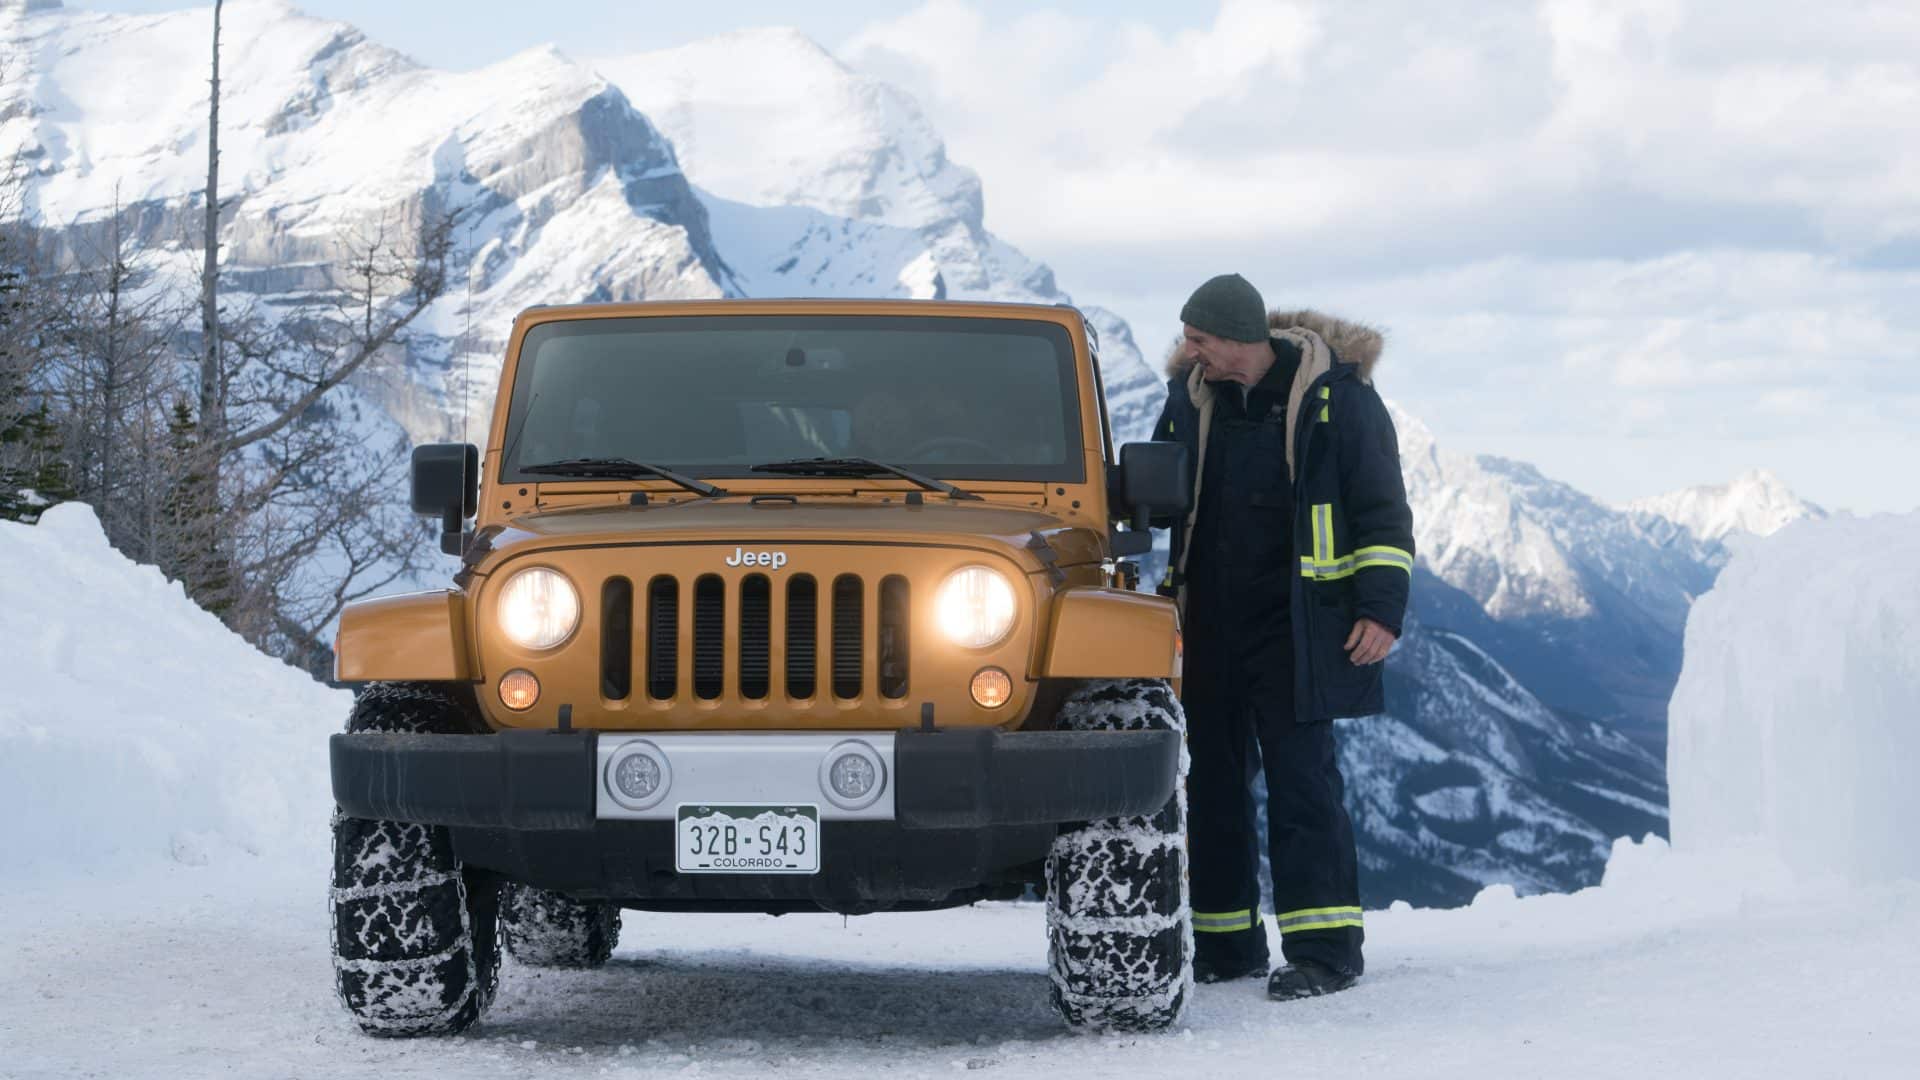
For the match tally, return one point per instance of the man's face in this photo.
(1222, 360)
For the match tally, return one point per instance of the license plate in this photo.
(752, 839)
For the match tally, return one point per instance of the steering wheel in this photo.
(935, 445)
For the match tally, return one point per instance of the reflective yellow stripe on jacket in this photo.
(1324, 565)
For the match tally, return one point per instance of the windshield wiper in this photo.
(859, 466)
(621, 468)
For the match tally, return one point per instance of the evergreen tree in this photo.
(33, 474)
(194, 525)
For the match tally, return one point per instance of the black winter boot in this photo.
(1307, 979)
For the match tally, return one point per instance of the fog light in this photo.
(852, 775)
(638, 775)
(519, 690)
(991, 688)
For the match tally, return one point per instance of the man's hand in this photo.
(1369, 643)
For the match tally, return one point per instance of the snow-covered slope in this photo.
(136, 729)
(1755, 503)
(1794, 724)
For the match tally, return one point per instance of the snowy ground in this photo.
(163, 871)
(1669, 969)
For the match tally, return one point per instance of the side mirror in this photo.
(446, 483)
(1155, 477)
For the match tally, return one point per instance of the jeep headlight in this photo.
(976, 606)
(538, 608)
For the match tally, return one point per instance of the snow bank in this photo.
(1796, 721)
(134, 726)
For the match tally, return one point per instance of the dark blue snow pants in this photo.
(1310, 845)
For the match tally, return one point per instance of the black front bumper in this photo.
(974, 814)
(956, 779)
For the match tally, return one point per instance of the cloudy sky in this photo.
(1640, 244)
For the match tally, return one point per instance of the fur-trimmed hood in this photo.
(1352, 342)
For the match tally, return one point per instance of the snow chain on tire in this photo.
(1119, 926)
(544, 928)
(416, 945)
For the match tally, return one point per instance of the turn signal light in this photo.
(991, 688)
(519, 690)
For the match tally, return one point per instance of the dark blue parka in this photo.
(1290, 563)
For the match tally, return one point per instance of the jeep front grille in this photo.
(803, 640)
(616, 639)
(739, 639)
(663, 638)
(892, 654)
(756, 636)
(846, 636)
(709, 636)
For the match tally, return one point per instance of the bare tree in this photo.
(241, 460)
(298, 513)
(212, 407)
(114, 368)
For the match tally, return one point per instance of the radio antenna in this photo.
(466, 347)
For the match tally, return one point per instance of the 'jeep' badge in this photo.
(743, 557)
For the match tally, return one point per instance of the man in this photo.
(1293, 569)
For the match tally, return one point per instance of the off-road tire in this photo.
(544, 928)
(1119, 926)
(416, 944)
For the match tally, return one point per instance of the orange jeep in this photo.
(771, 606)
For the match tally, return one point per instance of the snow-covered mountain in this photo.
(1583, 602)
(1756, 503)
(1527, 701)
(568, 191)
(1469, 779)
(821, 181)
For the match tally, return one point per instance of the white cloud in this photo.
(1689, 233)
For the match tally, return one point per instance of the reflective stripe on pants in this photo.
(1223, 922)
(1325, 918)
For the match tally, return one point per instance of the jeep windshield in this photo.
(963, 398)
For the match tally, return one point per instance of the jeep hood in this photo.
(738, 521)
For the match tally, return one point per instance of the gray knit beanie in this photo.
(1227, 306)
